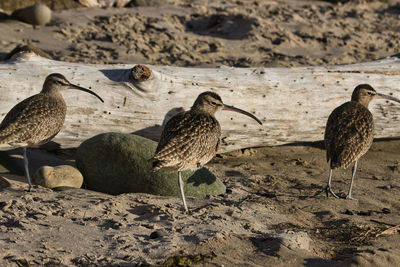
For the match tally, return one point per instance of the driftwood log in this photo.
(293, 103)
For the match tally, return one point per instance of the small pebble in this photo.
(386, 211)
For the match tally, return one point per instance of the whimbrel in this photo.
(190, 139)
(37, 119)
(350, 131)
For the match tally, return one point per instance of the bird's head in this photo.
(210, 102)
(364, 93)
(57, 82)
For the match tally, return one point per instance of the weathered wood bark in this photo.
(293, 103)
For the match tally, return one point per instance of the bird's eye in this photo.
(60, 82)
(370, 93)
(213, 103)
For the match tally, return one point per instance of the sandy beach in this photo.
(275, 211)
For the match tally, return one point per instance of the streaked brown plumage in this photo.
(190, 139)
(349, 134)
(37, 119)
(34, 121)
(350, 131)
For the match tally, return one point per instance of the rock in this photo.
(35, 15)
(58, 5)
(294, 240)
(118, 163)
(63, 175)
(26, 49)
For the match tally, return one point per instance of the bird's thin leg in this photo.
(27, 170)
(351, 183)
(182, 191)
(328, 188)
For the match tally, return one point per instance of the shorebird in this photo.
(190, 139)
(349, 132)
(37, 119)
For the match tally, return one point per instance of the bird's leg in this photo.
(27, 170)
(351, 183)
(182, 191)
(328, 188)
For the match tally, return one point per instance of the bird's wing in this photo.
(348, 134)
(33, 120)
(187, 136)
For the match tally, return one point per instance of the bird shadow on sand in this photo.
(202, 176)
(316, 144)
(320, 143)
(12, 162)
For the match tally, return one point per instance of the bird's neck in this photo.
(363, 102)
(53, 93)
(202, 109)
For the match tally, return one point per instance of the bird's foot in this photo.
(350, 197)
(186, 210)
(328, 190)
(34, 190)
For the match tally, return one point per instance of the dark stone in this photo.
(116, 163)
(386, 211)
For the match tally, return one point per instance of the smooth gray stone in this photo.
(118, 163)
(35, 15)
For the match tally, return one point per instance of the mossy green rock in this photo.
(118, 163)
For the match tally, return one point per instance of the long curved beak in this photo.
(232, 108)
(73, 86)
(388, 97)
